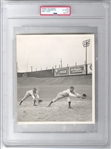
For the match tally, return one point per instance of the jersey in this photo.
(33, 94)
(67, 93)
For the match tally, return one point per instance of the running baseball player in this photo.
(34, 94)
(66, 94)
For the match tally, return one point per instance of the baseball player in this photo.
(34, 94)
(66, 94)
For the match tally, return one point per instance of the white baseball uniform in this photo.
(66, 94)
(31, 93)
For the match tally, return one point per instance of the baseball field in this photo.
(48, 89)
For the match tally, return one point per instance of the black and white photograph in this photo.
(55, 78)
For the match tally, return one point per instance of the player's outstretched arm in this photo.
(39, 99)
(78, 95)
(81, 96)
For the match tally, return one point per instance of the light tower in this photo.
(86, 44)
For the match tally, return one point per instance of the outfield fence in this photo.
(73, 70)
(65, 71)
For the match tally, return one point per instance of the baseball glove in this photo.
(84, 96)
(39, 101)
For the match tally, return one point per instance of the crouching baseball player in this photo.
(34, 94)
(66, 94)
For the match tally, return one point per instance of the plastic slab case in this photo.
(28, 17)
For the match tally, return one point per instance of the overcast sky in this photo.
(41, 51)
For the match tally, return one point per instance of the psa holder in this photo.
(55, 74)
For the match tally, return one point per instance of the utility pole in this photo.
(27, 65)
(31, 68)
(52, 69)
(86, 44)
(61, 62)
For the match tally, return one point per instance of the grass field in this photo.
(58, 112)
